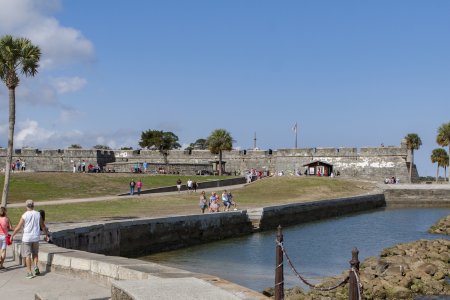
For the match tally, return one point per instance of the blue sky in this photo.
(350, 73)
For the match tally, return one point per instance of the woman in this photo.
(5, 225)
(213, 205)
(203, 202)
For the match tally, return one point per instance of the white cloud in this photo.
(60, 45)
(30, 134)
(65, 85)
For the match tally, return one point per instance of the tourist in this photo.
(179, 185)
(203, 202)
(225, 201)
(24, 167)
(139, 187)
(213, 205)
(145, 166)
(132, 185)
(31, 222)
(74, 166)
(194, 186)
(83, 166)
(189, 185)
(5, 226)
(232, 202)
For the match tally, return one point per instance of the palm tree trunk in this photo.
(445, 168)
(437, 173)
(410, 166)
(9, 151)
(220, 162)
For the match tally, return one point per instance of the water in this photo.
(317, 249)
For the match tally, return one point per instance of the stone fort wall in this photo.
(372, 163)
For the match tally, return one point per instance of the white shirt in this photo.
(31, 227)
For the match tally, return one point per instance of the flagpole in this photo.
(295, 129)
(296, 136)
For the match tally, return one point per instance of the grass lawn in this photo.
(53, 186)
(266, 192)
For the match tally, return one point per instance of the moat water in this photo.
(317, 249)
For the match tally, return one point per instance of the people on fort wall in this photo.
(392, 180)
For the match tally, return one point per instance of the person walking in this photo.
(5, 226)
(179, 185)
(32, 223)
(203, 202)
(132, 185)
(139, 187)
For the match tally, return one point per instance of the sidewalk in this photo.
(49, 286)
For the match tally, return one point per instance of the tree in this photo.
(75, 146)
(413, 142)
(220, 140)
(199, 144)
(159, 140)
(443, 137)
(440, 157)
(101, 147)
(17, 55)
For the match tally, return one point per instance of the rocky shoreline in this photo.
(404, 271)
(442, 226)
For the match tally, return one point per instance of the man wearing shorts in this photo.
(32, 223)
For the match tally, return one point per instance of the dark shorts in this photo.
(226, 203)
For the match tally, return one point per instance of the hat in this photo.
(29, 203)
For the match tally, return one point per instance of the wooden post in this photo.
(279, 276)
(353, 288)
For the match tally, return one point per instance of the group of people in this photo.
(135, 186)
(190, 185)
(31, 223)
(391, 180)
(213, 204)
(18, 165)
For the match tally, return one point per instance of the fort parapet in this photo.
(371, 163)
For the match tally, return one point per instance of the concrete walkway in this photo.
(51, 286)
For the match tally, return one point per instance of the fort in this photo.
(369, 163)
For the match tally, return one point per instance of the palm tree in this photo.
(440, 157)
(220, 140)
(443, 137)
(413, 142)
(17, 55)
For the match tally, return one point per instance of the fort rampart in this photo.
(372, 163)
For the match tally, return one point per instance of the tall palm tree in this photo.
(17, 56)
(443, 137)
(440, 157)
(413, 142)
(220, 140)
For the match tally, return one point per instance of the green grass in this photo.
(271, 191)
(53, 186)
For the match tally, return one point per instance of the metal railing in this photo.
(355, 286)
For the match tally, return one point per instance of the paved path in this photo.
(14, 285)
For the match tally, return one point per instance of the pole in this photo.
(279, 276)
(353, 287)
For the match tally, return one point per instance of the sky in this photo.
(349, 73)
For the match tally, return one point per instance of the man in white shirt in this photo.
(32, 223)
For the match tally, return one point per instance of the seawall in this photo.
(80, 249)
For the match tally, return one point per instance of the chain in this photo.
(344, 281)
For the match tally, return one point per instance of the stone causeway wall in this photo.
(372, 163)
(94, 250)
